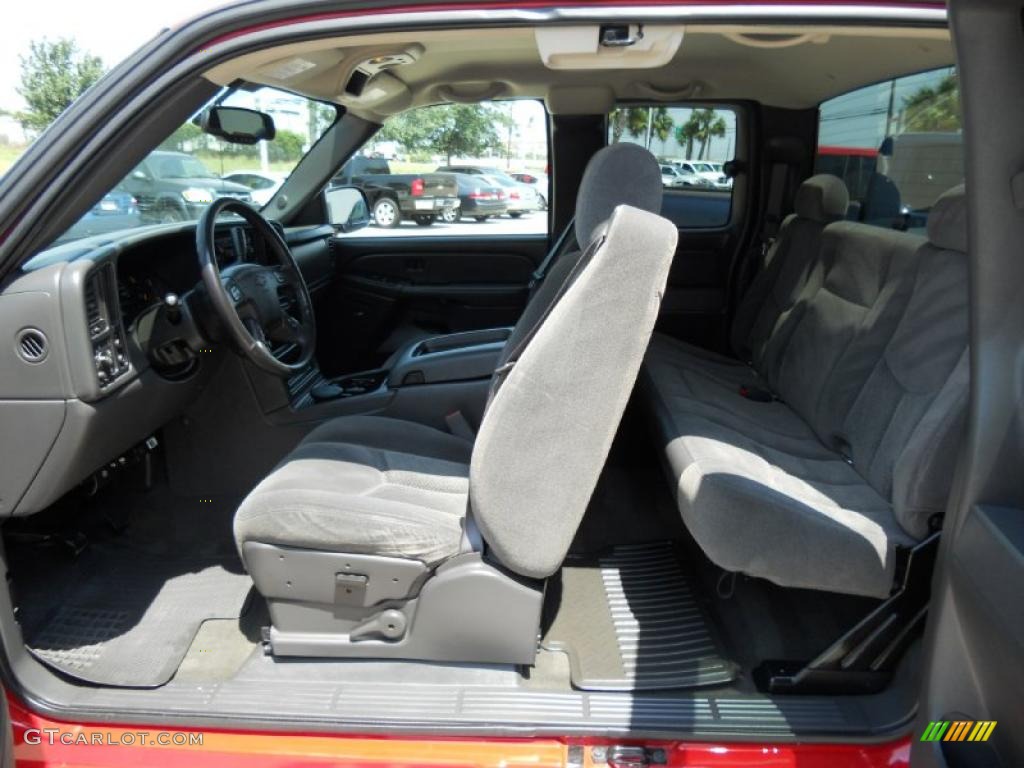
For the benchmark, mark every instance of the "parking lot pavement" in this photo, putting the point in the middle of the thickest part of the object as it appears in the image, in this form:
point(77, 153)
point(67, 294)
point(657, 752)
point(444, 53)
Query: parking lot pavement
point(532, 223)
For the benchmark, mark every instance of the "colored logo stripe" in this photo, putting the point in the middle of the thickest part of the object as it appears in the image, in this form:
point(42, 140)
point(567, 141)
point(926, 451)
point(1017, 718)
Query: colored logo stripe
point(958, 730)
point(982, 730)
point(935, 730)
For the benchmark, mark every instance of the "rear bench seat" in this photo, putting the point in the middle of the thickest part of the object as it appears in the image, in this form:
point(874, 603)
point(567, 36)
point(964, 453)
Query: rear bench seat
point(861, 353)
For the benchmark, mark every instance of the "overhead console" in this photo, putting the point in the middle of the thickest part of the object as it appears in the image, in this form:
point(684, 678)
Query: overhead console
point(608, 46)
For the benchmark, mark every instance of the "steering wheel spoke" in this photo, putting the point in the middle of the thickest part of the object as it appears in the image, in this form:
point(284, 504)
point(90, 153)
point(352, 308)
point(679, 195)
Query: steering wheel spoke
point(263, 307)
point(288, 330)
point(234, 291)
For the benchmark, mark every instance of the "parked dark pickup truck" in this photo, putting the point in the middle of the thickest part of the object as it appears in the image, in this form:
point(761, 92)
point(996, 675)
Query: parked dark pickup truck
point(423, 197)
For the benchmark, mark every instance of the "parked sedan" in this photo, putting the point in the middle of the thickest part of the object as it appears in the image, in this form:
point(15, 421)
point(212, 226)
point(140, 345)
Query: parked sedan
point(521, 198)
point(479, 197)
point(263, 185)
point(538, 181)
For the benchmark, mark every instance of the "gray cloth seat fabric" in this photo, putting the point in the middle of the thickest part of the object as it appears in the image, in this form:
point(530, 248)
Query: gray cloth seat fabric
point(372, 485)
point(820, 487)
point(782, 278)
point(382, 486)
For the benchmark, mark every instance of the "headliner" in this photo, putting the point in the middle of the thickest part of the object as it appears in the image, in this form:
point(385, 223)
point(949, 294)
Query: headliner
point(795, 66)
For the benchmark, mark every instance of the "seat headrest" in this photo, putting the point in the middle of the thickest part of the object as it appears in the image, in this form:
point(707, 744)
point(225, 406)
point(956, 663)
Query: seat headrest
point(947, 221)
point(622, 174)
point(822, 198)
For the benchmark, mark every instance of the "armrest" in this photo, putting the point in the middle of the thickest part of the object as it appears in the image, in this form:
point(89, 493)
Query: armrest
point(463, 339)
point(456, 357)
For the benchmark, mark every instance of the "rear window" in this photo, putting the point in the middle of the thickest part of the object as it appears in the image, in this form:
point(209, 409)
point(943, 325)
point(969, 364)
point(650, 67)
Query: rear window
point(691, 144)
point(897, 144)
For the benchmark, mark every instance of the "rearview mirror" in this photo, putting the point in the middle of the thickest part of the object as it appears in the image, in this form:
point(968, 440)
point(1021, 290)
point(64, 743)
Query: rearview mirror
point(238, 125)
point(347, 208)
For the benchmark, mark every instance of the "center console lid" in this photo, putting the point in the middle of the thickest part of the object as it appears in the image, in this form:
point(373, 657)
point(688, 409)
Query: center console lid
point(455, 357)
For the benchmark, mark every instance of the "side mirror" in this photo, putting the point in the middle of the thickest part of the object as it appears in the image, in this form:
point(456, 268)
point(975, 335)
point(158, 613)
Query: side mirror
point(238, 125)
point(347, 208)
point(139, 175)
point(733, 168)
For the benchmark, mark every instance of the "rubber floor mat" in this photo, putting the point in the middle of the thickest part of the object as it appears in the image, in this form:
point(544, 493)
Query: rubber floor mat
point(628, 621)
point(129, 621)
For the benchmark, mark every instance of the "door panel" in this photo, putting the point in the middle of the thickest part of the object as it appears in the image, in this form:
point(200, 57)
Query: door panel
point(388, 291)
point(696, 299)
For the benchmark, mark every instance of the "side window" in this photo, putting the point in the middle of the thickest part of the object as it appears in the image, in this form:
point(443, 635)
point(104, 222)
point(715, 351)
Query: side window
point(896, 144)
point(692, 144)
point(456, 169)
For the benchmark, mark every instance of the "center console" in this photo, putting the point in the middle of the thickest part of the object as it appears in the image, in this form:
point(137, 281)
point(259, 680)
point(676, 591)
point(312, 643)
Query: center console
point(455, 357)
point(424, 382)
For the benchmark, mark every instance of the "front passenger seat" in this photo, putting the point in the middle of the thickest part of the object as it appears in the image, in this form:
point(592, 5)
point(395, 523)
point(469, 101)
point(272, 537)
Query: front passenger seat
point(382, 538)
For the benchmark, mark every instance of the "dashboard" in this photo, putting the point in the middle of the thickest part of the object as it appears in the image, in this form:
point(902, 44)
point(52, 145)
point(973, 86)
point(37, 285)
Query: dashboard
point(81, 385)
point(149, 271)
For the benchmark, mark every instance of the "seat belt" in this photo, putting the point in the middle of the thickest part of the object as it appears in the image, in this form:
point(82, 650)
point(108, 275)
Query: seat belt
point(456, 421)
point(503, 370)
point(754, 259)
point(777, 186)
point(560, 246)
point(459, 426)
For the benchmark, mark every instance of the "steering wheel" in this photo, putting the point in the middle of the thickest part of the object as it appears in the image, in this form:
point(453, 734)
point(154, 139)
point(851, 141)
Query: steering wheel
point(248, 297)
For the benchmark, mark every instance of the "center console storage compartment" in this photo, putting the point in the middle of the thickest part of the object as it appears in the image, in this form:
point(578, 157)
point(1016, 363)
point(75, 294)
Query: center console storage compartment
point(455, 357)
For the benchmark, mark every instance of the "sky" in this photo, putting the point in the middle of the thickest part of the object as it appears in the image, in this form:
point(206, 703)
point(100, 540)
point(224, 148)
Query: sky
point(110, 29)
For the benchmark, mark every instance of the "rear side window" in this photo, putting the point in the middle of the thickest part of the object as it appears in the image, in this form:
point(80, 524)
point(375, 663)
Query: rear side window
point(692, 144)
point(897, 145)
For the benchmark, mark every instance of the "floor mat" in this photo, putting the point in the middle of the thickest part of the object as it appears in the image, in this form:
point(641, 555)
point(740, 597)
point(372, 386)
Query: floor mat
point(127, 620)
point(628, 621)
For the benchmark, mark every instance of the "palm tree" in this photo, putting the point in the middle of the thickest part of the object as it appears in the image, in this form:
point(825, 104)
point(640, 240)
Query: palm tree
point(714, 129)
point(661, 124)
point(647, 122)
point(702, 126)
point(627, 120)
point(686, 134)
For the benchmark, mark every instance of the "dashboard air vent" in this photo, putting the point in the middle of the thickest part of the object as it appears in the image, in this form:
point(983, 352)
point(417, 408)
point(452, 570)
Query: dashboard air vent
point(94, 309)
point(32, 345)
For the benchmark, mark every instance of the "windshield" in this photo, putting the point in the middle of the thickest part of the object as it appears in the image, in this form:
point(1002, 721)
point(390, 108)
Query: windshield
point(190, 169)
point(180, 167)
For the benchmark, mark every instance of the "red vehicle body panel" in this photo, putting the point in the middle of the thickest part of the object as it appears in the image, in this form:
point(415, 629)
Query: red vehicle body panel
point(249, 749)
point(847, 151)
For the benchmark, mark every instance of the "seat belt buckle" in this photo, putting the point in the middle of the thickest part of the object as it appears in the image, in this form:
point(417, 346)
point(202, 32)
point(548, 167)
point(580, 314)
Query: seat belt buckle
point(756, 394)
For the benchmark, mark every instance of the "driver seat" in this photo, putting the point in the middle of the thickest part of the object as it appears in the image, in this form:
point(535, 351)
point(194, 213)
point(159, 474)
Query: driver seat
point(382, 538)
